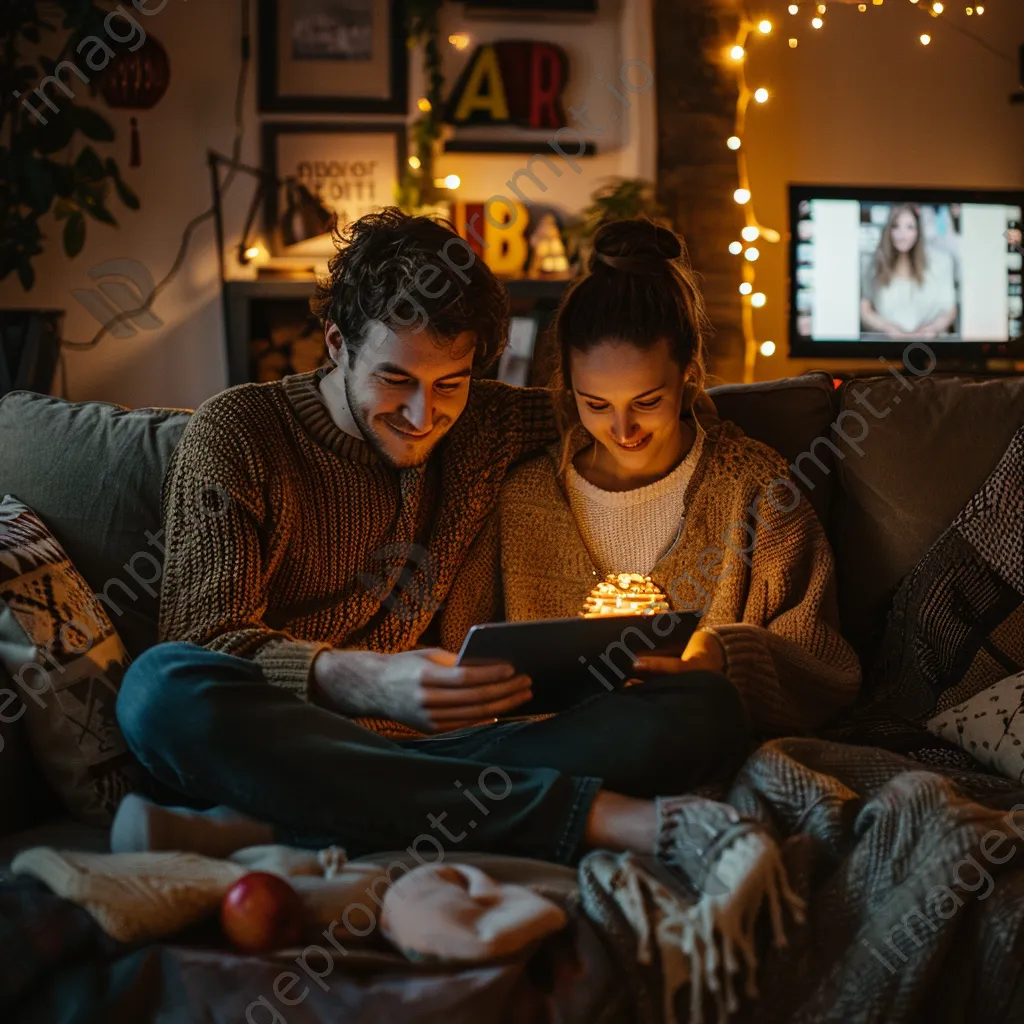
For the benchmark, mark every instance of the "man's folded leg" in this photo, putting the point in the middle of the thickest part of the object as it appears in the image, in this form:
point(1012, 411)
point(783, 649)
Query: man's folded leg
point(209, 726)
point(666, 736)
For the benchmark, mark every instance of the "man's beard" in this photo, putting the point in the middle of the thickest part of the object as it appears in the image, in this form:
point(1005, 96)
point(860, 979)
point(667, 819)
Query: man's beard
point(374, 439)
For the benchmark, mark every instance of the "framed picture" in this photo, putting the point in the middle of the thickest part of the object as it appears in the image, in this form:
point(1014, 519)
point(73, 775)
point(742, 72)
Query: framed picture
point(332, 57)
point(346, 169)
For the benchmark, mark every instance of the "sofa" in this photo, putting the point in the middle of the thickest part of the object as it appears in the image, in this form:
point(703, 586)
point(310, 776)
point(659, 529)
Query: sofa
point(886, 461)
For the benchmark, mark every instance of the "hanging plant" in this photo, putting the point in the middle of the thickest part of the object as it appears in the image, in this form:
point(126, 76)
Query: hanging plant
point(37, 170)
point(417, 189)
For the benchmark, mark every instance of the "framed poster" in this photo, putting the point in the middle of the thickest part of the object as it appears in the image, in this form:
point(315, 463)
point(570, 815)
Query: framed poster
point(349, 169)
point(332, 57)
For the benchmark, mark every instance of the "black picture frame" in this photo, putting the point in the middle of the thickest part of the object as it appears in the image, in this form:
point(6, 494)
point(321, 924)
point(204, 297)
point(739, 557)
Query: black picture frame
point(271, 131)
point(271, 100)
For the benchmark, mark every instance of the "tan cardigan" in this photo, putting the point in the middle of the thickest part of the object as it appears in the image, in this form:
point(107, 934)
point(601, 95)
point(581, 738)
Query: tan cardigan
point(760, 572)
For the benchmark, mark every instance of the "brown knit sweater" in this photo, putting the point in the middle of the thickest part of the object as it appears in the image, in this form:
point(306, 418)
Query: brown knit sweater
point(776, 617)
point(284, 535)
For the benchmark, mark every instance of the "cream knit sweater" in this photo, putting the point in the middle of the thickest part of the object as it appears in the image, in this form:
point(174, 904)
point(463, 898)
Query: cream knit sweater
point(754, 563)
point(628, 531)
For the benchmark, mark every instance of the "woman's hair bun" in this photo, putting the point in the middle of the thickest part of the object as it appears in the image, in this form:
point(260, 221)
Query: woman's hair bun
point(634, 246)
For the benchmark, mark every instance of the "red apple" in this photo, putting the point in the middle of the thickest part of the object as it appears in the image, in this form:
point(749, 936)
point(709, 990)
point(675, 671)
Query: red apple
point(261, 912)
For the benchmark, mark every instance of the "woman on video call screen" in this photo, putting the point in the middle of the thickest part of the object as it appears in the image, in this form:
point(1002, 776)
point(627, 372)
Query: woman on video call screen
point(908, 289)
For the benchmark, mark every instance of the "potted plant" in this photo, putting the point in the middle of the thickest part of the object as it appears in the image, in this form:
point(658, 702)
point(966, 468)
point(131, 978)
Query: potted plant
point(614, 199)
point(47, 163)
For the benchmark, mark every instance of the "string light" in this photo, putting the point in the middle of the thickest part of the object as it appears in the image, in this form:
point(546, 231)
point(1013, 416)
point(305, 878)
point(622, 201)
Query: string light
point(752, 230)
point(414, 162)
point(460, 40)
point(423, 103)
point(452, 181)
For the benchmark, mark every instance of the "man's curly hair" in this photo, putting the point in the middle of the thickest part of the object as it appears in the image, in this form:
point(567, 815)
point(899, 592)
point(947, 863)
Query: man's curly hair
point(412, 272)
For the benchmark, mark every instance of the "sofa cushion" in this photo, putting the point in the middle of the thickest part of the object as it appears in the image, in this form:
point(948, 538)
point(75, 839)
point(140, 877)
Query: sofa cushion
point(61, 650)
point(923, 453)
point(94, 473)
point(789, 415)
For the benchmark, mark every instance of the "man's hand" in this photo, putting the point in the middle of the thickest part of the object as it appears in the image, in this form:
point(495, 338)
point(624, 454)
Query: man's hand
point(423, 689)
point(704, 652)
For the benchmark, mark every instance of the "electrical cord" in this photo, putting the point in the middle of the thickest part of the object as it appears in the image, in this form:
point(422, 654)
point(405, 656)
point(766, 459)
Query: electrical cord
point(186, 237)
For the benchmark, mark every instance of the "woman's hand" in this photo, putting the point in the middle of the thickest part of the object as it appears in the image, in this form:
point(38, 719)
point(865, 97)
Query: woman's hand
point(704, 653)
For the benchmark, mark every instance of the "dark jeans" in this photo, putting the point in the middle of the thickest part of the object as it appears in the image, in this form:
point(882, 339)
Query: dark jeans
point(209, 726)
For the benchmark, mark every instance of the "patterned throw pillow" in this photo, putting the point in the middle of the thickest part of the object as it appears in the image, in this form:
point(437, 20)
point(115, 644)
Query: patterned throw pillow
point(66, 661)
point(989, 726)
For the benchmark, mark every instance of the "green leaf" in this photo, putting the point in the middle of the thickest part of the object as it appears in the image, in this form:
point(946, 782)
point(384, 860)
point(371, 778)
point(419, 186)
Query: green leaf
point(128, 197)
point(26, 275)
point(92, 201)
point(89, 166)
point(92, 125)
point(74, 234)
point(63, 180)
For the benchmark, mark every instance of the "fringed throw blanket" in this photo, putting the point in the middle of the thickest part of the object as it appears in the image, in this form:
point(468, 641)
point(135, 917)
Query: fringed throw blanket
point(956, 626)
point(914, 895)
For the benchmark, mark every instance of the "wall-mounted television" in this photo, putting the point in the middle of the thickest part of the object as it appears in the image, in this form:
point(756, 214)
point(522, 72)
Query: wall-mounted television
point(873, 269)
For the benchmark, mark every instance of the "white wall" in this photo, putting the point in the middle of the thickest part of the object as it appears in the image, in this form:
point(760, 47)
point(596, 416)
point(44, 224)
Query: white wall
point(863, 102)
point(183, 362)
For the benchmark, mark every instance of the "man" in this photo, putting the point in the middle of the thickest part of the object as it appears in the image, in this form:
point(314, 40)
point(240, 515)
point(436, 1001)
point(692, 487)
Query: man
point(314, 527)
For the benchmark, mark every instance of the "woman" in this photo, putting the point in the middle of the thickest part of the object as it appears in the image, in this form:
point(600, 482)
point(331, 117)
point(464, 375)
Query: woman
point(909, 294)
point(648, 480)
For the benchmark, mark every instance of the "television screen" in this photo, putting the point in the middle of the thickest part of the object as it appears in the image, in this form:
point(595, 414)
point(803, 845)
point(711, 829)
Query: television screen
point(874, 269)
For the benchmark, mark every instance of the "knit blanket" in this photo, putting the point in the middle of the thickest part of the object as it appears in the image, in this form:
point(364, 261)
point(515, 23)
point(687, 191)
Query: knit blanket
point(913, 885)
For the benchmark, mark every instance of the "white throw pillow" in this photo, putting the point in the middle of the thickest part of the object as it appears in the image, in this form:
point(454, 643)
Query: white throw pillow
point(989, 726)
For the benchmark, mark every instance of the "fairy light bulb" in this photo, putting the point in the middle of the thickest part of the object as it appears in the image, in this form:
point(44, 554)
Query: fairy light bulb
point(816, 23)
point(979, 9)
point(764, 27)
point(761, 95)
point(758, 299)
point(767, 348)
point(746, 288)
point(925, 39)
point(742, 195)
point(414, 162)
point(752, 254)
point(793, 9)
point(862, 8)
point(459, 40)
point(733, 142)
point(793, 43)
point(252, 252)
point(423, 103)
point(452, 181)
point(748, 234)
point(822, 8)
point(937, 7)
point(737, 52)
point(735, 248)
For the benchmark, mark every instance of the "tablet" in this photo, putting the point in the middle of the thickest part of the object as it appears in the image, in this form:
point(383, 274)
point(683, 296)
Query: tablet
point(572, 659)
